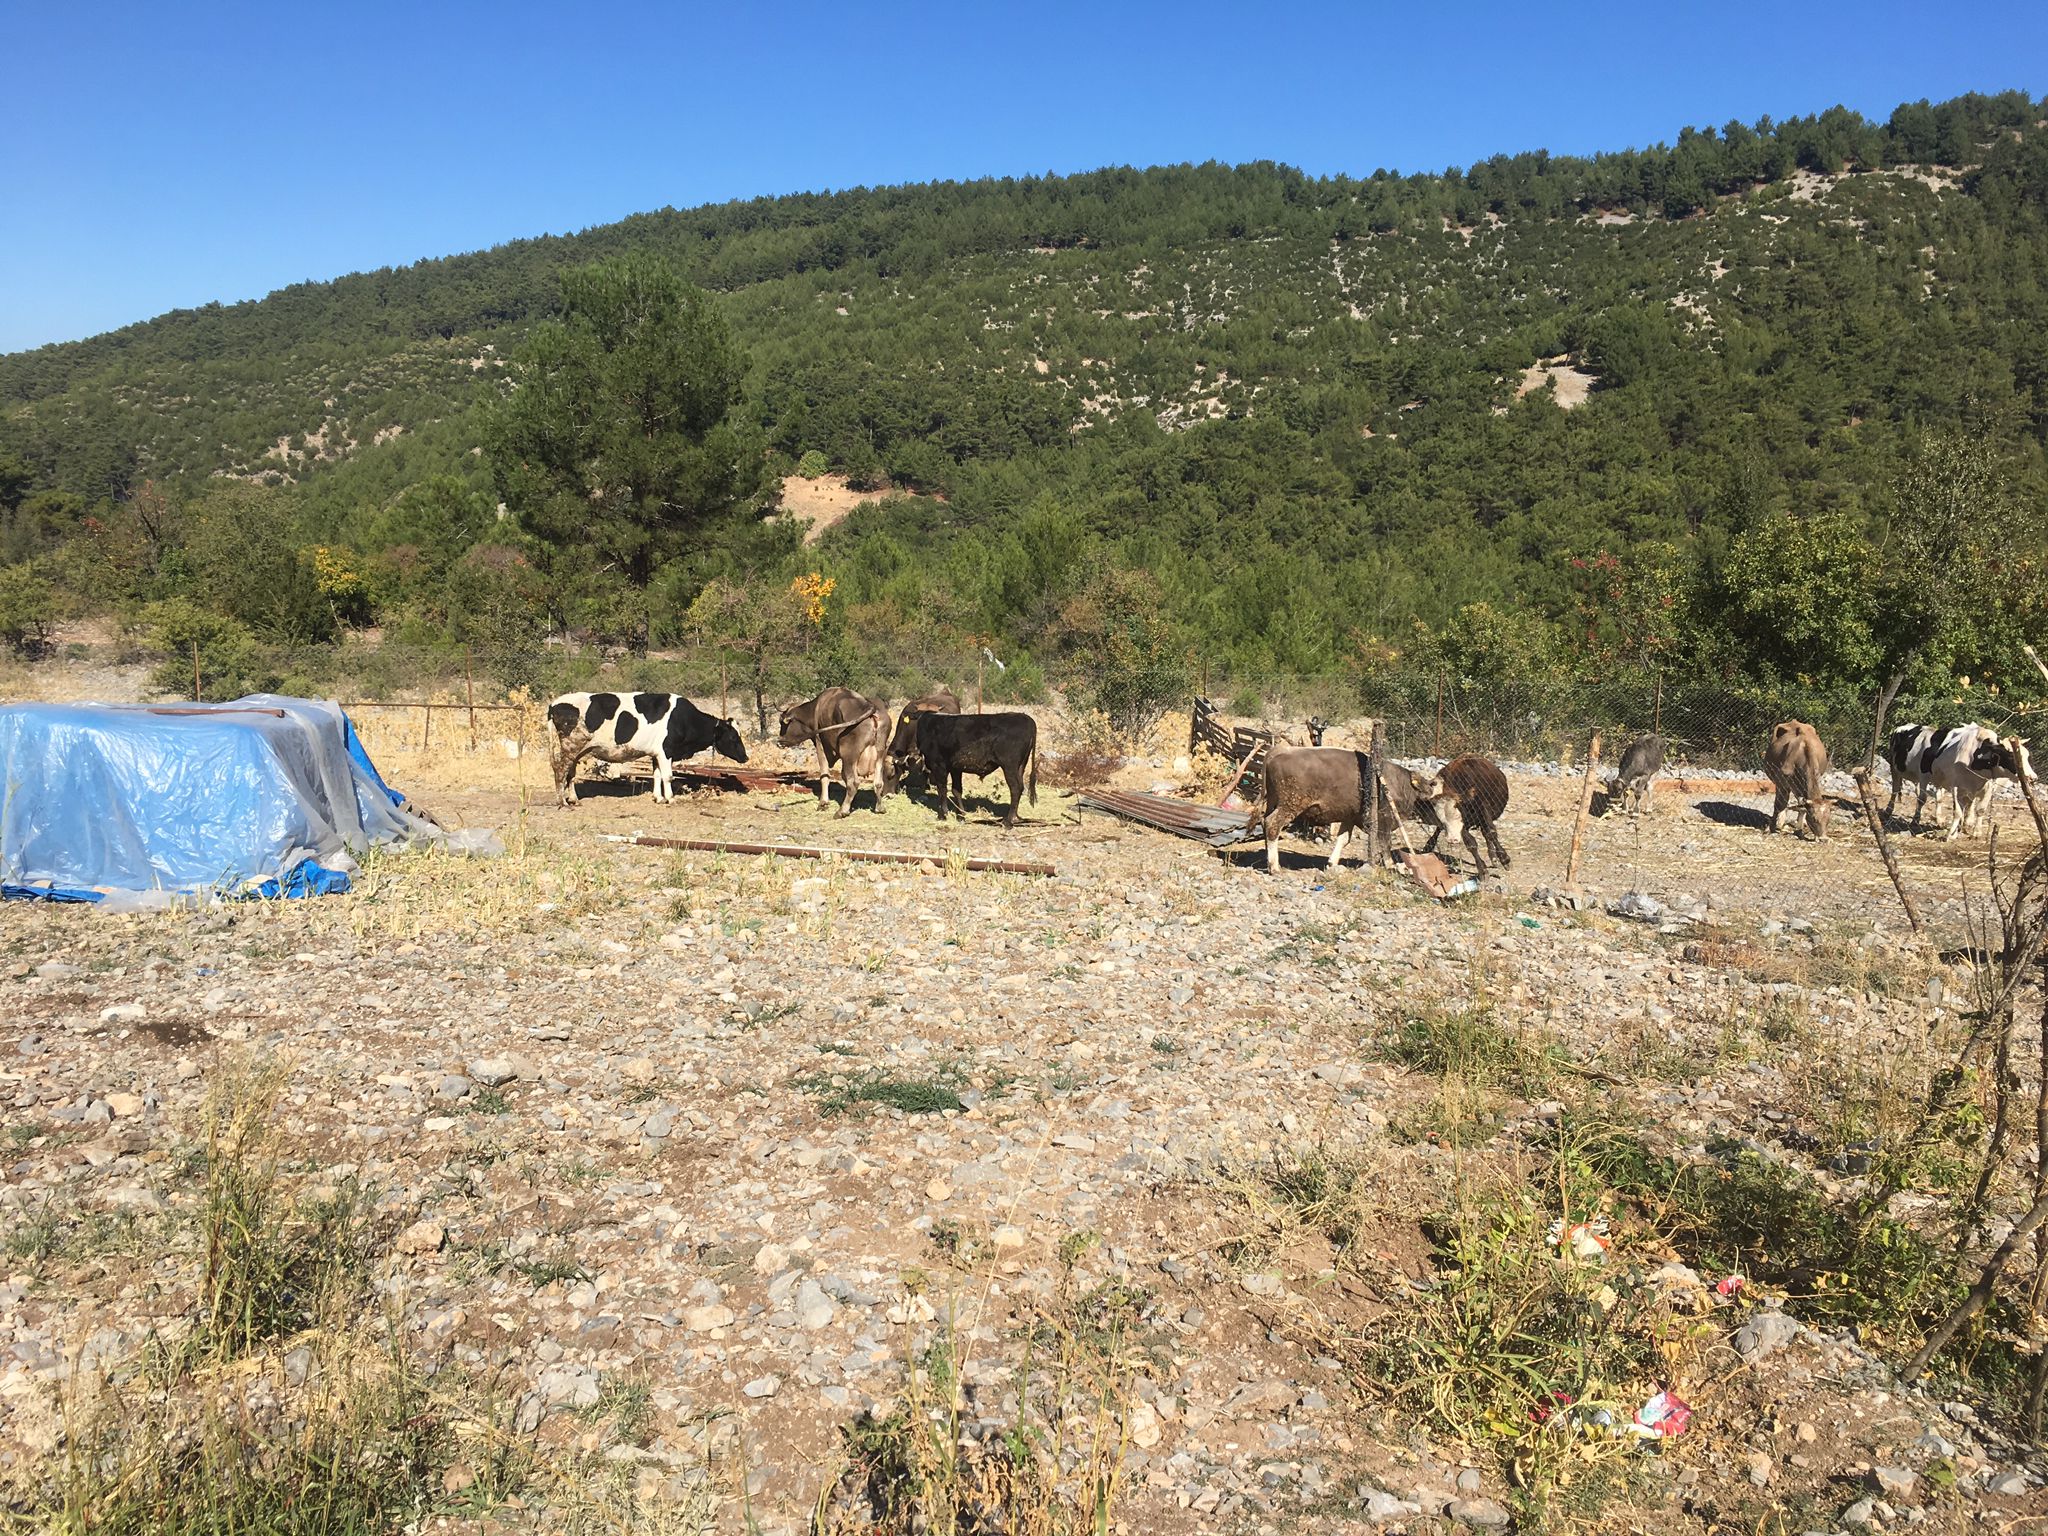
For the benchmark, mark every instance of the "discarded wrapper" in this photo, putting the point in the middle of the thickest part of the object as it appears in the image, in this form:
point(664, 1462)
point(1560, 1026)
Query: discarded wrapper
point(1662, 1417)
point(1728, 1285)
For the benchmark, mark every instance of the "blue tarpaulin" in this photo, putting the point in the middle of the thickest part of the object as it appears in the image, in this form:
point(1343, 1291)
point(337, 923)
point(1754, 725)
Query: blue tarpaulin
point(267, 796)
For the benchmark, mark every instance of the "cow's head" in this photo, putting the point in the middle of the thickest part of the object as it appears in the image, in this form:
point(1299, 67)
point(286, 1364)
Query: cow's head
point(725, 740)
point(793, 733)
point(1316, 726)
point(903, 744)
point(2004, 758)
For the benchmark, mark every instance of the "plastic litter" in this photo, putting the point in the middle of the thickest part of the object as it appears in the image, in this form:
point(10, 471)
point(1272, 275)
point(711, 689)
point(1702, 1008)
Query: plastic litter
point(1729, 1285)
point(1663, 1417)
point(1644, 909)
point(1585, 1240)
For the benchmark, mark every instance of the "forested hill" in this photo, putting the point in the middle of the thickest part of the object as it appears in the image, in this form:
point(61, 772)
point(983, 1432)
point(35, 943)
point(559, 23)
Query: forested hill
point(1314, 409)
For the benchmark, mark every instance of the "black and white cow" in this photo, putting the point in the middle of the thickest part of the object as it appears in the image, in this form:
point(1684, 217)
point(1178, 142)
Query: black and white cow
point(616, 726)
point(1963, 762)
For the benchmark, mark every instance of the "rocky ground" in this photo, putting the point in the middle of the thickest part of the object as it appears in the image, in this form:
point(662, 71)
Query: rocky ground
point(696, 1158)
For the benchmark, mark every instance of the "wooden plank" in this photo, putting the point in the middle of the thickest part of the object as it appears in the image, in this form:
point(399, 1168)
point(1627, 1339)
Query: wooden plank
point(862, 855)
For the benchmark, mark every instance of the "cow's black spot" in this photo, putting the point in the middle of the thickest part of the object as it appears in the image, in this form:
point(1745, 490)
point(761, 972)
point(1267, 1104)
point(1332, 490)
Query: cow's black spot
point(689, 731)
point(653, 706)
point(601, 708)
point(623, 731)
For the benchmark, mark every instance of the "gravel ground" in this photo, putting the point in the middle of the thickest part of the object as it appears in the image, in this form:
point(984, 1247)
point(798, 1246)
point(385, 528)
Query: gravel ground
point(637, 1063)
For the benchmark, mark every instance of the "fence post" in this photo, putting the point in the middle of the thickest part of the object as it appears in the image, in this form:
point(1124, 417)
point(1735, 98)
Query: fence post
point(1436, 748)
point(1865, 794)
point(1571, 866)
point(724, 709)
point(980, 666)
point(427, 733)
point(469, 691)
point(1657, 706)
point(195, 671)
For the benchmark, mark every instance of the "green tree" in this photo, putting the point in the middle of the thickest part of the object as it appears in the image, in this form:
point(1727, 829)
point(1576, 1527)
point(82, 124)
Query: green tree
point(1137, 660)
point(761, 623)
point(28, 609)
point(244, 561)
point(1963, 548)
point(1802, 593)
point(617, 437)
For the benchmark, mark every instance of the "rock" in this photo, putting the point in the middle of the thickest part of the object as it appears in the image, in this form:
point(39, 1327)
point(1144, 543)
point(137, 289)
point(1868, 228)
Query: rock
point(704, 1319)
point(1861, 1513)
point(772, 1259)
point(1486, 1514)
point(1805, 1433)
point(1007, 1237)
point(1758, 1466)
point(1893, 1482)
point(1143, 1424)
point(763, 1386)
point(814, 1309)
point(493, 1070)
point(454, 1086)
point(457, 1479)
point(1468, 1480)
point(421, 1237)
point(124, 1104)
point(1381, 1506)
point(640, 1069)
point(1764, 1335)
point(2011, 1486)
point(123, 1013)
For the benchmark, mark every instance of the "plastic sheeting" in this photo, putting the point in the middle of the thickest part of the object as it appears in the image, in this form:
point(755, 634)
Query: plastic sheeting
point(131, 804)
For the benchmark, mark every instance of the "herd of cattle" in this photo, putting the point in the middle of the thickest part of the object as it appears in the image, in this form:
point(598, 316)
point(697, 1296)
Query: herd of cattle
point(1316, 786)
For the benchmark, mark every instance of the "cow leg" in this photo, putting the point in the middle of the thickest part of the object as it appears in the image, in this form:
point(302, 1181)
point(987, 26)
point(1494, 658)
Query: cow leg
point(1779, 801)
point(565, 773)
point(1500, 854)
point(1014, 777)
point(960, 793)
point(1340, 833)
point(1472, 848)
point(664, 786)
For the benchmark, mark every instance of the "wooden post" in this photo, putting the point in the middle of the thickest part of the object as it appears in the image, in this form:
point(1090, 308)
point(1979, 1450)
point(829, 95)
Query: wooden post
point(427, 733)
point(980, 666)
point(469, 690)
point(1369, 786)
point(1657, 706)
point(724, 709)
point(1436, 748)
point(1571, 865)
point(195, 671)
point(1868, 796)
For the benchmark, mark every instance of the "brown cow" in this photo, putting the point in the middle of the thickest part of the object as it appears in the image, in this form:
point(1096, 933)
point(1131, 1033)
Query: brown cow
point(856, 749)
point(1324, 786)
point(820, 721)
point(1795, 762)
point(1478, 793)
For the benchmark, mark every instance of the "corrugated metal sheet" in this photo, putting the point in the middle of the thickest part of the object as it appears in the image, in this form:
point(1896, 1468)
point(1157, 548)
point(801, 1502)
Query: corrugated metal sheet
point(1210, 824)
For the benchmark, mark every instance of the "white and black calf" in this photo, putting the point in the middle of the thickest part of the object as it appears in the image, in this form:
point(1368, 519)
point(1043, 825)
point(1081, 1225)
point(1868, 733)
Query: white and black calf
point(616, 726)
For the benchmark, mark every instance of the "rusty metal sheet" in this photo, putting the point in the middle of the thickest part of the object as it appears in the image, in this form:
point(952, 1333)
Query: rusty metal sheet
point(1210, 824)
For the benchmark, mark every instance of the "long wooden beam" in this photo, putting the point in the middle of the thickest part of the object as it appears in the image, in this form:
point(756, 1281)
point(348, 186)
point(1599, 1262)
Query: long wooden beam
point(862, 855)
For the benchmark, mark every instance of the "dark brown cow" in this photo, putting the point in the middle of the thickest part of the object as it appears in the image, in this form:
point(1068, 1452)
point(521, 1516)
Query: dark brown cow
point(1479, 790)
point(953, 746)
point(903, 757)
point(1324, 786)
point(1795, 761)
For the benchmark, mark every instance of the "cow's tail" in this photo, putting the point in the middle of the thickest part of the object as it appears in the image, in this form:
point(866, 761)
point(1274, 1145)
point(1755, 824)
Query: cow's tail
point(1032, 782)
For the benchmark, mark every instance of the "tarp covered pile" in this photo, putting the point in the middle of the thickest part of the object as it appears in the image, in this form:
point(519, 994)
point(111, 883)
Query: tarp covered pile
point(140, 804)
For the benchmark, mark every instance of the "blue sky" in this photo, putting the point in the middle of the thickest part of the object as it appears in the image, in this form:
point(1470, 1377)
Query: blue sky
point(157, 156)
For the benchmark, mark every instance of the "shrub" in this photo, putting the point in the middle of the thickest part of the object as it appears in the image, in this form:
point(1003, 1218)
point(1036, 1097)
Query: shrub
point(230, 662)
point(812, 465)
point(28, 609)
